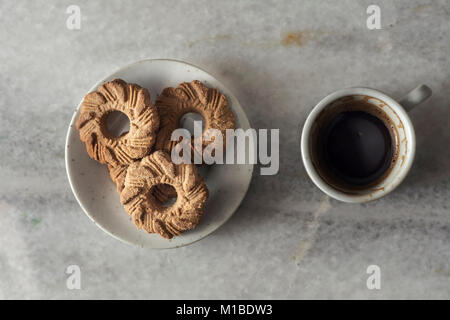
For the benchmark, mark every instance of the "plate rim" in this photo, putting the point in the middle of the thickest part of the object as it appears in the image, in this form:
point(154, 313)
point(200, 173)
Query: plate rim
point(67, 162)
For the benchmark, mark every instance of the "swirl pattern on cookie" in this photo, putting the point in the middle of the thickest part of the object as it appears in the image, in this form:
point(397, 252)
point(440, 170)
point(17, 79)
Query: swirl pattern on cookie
point(146, 210)
point(174, 103)
point(134, 102)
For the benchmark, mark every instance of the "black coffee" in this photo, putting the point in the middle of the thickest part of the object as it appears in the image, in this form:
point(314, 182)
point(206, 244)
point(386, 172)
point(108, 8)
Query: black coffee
point(357, 147)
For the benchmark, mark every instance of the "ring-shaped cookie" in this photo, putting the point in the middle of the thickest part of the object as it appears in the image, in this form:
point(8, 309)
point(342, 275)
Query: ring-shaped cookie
point(147, 212)
point(174, 103)
point(134, 102)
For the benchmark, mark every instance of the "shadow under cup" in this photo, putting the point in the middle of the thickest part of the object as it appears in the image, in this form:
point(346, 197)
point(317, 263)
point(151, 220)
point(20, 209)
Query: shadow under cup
point(324, 137)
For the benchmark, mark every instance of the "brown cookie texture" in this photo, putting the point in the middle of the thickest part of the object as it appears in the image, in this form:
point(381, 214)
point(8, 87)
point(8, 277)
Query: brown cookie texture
point(134, 102)
point(117, 175)
point(210, 103)
point(163, 193)
point(147, 211)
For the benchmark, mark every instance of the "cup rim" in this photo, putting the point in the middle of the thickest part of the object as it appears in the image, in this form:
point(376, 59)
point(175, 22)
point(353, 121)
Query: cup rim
point(305, 146)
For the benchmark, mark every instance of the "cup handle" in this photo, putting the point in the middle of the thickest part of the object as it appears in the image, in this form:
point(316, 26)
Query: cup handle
point(415, 97)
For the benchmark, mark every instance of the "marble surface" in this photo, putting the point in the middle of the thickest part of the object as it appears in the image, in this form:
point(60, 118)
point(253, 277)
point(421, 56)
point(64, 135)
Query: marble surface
point(287, 240)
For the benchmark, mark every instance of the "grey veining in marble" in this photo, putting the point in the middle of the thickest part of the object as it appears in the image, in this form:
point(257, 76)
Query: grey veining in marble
point(287, 240)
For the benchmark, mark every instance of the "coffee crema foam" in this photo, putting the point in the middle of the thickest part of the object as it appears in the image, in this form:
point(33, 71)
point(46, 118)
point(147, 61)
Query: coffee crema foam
point(354, 144)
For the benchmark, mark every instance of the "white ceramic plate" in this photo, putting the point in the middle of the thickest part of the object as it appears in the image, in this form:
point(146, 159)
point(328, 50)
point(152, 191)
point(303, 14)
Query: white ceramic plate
point(97, 194)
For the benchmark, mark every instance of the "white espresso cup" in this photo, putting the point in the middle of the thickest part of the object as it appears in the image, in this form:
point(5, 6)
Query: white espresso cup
point(404, 137)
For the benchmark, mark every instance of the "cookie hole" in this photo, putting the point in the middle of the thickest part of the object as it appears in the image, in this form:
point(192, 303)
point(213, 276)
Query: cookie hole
point(165, 194)
point(187, 121)
point(117, 123)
